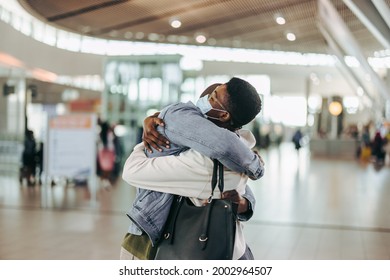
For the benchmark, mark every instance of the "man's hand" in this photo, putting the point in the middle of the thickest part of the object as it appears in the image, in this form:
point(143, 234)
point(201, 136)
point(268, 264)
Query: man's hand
point(260, 158)
point(151, 137)
point(235, 197)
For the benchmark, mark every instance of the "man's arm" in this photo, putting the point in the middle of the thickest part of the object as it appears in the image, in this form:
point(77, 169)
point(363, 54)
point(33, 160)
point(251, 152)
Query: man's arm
point(188, 174)
point(186, 127)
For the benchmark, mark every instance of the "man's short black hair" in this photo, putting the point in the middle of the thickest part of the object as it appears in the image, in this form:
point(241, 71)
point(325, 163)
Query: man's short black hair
point(244, 101)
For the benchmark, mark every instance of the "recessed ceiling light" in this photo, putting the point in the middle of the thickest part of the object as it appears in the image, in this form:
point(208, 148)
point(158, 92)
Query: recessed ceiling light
point(291, 36)
point(212, 41)
point(175, 23)
point(86, 29)
point(279, 19)
point(200, 38)
point(236, 43)
point(128, 35)
point(139, 35)
point(113, 33)
point(172, 38)
point(183, 39)
point(153, 37)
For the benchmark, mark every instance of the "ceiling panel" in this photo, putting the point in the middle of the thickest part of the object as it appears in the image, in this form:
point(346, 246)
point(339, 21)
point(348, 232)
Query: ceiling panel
point(54, 8)
point(226, 23)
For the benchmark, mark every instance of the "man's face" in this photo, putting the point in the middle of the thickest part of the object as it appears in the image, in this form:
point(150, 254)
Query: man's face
point(218, 98)
point(218, 94)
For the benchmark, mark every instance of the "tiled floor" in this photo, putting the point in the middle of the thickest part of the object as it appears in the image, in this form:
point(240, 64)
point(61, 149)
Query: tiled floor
point(307, 208)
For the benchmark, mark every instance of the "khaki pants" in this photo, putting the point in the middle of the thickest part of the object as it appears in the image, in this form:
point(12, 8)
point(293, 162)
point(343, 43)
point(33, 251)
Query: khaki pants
point(126, 255)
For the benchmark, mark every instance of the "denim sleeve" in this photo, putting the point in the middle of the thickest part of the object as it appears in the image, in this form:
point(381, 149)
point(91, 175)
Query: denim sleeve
point(252, 203)
point(187, 127)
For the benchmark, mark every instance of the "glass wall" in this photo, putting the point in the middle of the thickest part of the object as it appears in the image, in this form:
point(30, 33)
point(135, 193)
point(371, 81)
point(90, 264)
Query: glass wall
point(135, 87)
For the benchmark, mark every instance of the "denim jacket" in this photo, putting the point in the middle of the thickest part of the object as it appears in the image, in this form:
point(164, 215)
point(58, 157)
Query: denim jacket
point(186, 127)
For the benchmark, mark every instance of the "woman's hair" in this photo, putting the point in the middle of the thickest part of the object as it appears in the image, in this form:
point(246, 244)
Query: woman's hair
point(210, 89)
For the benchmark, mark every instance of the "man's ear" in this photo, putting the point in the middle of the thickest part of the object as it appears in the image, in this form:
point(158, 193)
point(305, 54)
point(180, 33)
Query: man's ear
point(224, 117)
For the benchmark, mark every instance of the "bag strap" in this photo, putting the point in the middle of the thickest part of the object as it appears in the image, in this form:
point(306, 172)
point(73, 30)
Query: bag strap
point(217, 169)
point(220, 178)
point(170, 227)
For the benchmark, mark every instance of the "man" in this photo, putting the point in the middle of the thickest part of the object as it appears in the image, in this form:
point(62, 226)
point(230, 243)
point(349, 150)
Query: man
point(209, 128)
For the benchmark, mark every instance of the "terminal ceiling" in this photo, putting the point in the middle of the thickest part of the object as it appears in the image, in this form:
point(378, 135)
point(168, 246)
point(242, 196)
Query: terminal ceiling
point(226, 23)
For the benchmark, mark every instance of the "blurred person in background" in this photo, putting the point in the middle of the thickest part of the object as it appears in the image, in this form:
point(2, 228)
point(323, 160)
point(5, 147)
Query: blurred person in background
point(297, 138)
point(387, 145)
point(27, 170)
point(378, 151)
point(106, 154)
point(365, 145)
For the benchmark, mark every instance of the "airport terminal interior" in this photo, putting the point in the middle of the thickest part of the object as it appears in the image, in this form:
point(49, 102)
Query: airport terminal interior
point(70, 70)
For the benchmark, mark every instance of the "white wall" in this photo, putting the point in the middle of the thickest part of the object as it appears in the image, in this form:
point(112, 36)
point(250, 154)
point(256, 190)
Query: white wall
point(39, 55)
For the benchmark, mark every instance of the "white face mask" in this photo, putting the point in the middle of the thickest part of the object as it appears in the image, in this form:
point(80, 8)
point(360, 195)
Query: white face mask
point(204, 105)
